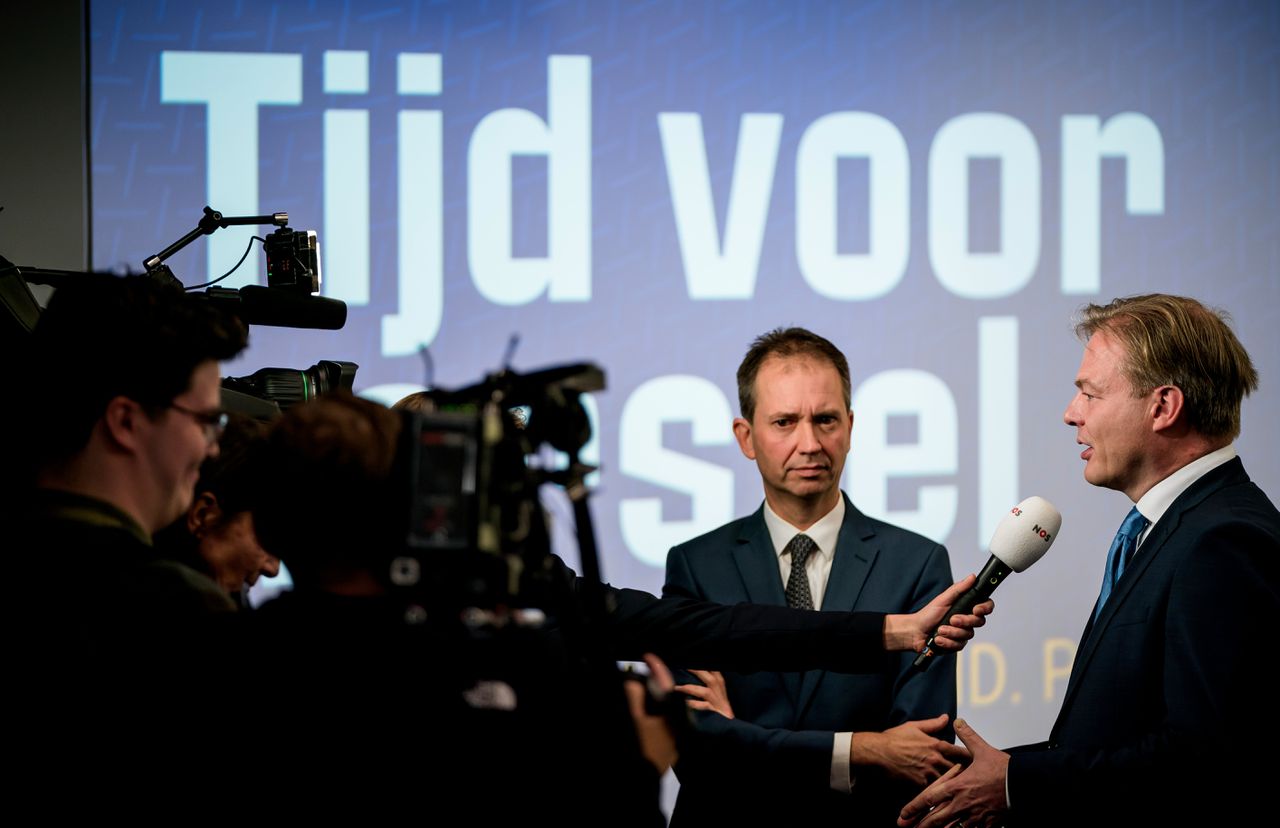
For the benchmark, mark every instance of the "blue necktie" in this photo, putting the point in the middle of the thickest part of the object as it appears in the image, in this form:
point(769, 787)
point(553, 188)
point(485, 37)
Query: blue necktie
point(1121, 552)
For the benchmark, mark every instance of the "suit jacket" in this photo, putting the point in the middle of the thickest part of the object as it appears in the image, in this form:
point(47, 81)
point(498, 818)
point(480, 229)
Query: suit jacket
point(1164, 713)
point(782, 740)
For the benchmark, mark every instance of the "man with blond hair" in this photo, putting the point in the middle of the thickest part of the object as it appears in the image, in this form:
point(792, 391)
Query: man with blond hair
point(1161, 723)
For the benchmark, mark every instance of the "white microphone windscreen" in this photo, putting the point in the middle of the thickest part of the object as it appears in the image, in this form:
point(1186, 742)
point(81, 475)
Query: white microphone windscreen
point(1026, 533)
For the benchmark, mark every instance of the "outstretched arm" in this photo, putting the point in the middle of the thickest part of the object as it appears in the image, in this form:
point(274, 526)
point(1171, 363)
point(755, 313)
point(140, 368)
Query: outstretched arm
point(910, 632)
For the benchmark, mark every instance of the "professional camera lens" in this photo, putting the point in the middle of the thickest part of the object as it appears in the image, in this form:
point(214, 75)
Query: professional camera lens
point(288, 386)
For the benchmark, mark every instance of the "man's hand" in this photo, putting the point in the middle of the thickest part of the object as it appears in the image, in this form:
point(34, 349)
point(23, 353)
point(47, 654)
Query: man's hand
point(908, 751)
point(910, 632)
point(657, 742)
point(710, 695)
point(974, 797)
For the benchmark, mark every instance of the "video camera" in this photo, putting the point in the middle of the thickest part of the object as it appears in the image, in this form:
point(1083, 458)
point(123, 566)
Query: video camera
point(474, 531)
point(475, 536)
point(293, 276)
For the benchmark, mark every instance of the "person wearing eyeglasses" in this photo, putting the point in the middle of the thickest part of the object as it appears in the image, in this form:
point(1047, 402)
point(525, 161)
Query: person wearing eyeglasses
point(122, 405)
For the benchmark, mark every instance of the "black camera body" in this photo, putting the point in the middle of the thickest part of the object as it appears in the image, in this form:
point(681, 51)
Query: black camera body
point(293, 260)
point(475, 536)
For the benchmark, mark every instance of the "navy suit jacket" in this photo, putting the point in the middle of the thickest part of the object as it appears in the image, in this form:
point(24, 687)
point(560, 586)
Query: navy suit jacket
point(782, 738)
point(1166, 712)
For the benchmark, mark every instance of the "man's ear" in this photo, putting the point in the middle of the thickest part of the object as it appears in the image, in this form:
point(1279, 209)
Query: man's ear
point(742, 431)
point(121, 420)
point(1167, 407)
point(203, 515)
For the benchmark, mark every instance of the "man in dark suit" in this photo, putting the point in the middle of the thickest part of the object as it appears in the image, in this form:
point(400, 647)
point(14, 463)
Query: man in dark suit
point(799, 747)
point(1161, 720)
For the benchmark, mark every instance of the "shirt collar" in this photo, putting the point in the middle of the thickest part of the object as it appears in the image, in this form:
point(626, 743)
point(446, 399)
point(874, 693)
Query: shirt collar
point(1160, 497)
point(823, 533)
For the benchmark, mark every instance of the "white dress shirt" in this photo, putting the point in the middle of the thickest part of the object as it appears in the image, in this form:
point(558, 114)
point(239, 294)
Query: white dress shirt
point(818, 568)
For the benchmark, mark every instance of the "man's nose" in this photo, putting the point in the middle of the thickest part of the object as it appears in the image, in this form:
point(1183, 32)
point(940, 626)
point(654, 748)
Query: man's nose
point(807, 437)
point(1071, 415)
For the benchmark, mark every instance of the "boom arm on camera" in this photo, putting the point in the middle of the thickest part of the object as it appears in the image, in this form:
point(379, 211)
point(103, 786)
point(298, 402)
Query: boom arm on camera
point(212, 220)
point(293, 275)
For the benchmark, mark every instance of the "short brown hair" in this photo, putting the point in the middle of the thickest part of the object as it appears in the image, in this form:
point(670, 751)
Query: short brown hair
point(418, 402)
point(108, 336)
point(327, 494)
point(785, 343)
point(1174, 340)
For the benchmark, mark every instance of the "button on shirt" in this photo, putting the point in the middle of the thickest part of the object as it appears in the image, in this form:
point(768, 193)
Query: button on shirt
point(818, 567)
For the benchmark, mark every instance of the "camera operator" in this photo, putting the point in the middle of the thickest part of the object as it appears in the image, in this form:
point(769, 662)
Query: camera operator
point(423, 705)
point(110, 643)
point(121, 408)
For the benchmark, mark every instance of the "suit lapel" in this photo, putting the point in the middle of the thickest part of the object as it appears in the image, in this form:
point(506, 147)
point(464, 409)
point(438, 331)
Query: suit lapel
point(855, 553)
point(1094, 632)
point(757, 564)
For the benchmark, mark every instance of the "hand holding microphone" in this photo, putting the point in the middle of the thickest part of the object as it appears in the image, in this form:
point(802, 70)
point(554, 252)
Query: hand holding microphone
point(1021, 539)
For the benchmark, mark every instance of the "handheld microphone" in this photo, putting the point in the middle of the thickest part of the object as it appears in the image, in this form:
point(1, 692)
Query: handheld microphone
point(1021, 539)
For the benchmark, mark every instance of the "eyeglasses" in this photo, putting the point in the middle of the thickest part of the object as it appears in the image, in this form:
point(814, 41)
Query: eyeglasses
point(213, 422)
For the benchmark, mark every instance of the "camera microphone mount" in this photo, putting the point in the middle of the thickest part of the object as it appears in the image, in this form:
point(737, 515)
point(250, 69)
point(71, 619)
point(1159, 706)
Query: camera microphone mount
point(211, 221)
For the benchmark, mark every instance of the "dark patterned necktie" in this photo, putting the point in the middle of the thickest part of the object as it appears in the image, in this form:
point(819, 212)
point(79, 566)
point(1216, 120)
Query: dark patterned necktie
point(1121, 552)
point(798, 596)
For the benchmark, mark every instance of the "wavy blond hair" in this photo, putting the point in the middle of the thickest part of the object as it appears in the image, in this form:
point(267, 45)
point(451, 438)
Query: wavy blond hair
point(1174, 340)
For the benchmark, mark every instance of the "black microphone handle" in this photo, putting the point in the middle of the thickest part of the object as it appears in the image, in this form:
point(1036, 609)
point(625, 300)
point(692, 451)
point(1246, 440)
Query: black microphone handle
point(988, 579)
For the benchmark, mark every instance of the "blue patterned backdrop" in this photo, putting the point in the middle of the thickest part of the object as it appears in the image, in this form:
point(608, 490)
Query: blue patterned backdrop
point(934, 186)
